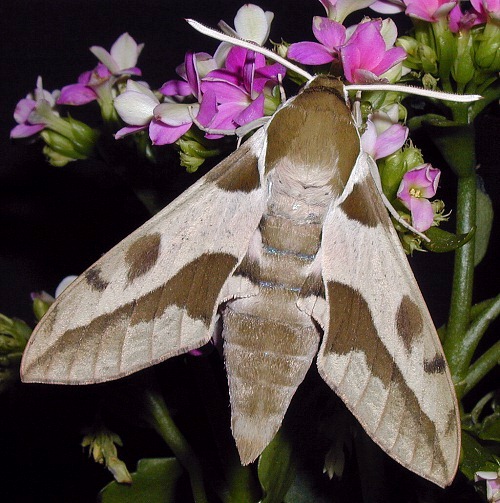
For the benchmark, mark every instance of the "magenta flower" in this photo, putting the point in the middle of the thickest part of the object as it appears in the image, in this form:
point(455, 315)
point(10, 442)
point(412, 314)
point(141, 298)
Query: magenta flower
point(235, 95)
point(463, 21)
point(366, 57)
point(122, 57)
point(87, 89)
point(331, 35)
point(429, 10)
point(195, 66)
point(35, 112)
point(487, 9)
point(383, 135)
point(416, 187)
point(141, 109)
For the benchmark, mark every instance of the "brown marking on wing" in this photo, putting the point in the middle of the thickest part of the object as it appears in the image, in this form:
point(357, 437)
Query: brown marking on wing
point(409, 322)
point(94, 279)
point(357, 206)
point(352, 330)
point(436, 365)
point(142, 255)
point(239, 173)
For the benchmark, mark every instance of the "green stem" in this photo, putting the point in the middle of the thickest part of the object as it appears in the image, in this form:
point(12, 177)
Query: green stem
point(461, 296)
point(486, 362)
point(166, 428)
point(473, 335)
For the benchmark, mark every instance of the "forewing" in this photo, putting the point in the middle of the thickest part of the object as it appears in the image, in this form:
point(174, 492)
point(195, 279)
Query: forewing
point(156, 293)
point(381, 352)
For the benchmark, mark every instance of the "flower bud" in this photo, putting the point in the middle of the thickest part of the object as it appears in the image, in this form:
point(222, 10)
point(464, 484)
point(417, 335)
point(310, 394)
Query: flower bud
point(463, 69)
point(193, 151)
point(487, 55)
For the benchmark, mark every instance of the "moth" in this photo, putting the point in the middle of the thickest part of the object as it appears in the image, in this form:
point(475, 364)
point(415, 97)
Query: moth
point(287, 245)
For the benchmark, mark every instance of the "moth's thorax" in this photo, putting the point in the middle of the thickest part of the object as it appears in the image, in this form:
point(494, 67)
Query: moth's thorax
point(313, 141)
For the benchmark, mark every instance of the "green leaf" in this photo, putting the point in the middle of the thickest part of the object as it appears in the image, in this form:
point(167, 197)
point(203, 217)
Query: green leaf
point(490, 428)
point(484, 221)
point(443, 241)
point(276, 469)
point(476, 458)
point(153, 482)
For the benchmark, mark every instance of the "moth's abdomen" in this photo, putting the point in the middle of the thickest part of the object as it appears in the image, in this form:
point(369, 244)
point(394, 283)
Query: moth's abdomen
point(269, 343)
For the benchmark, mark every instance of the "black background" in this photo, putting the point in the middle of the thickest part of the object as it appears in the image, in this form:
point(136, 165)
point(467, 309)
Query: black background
point(57, 221)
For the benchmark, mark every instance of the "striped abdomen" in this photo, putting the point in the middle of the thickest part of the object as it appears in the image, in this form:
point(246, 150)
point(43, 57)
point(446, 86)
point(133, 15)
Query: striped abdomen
point(269, 343)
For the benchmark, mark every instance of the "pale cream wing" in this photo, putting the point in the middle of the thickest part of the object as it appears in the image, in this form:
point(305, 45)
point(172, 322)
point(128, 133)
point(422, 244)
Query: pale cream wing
point(381, 353)
point(156, 293)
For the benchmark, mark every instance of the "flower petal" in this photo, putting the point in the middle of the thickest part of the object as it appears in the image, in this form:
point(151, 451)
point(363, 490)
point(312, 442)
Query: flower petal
point(163, 134)
point(391, 140)
point(125, 51)
point(252, 23)
point(330, 33)
point(76, 94)
point(176, 88)
point(422, 214)
point(135, 108)
point(25, 130)
point(252, 112)
point(124, 131)
point(309, 53)
point(176, 114)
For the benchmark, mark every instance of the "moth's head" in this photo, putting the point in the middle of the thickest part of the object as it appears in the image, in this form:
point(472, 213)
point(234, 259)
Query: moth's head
point(315, 133)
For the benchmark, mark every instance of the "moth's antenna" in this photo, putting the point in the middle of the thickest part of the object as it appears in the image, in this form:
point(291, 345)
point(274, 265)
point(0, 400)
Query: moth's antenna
point(439, 95)
point(246, 44)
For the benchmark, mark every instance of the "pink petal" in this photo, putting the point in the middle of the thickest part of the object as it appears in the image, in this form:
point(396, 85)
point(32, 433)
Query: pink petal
point(192, 74)
point(76, 94)
point(388, 6)
point(390, 140)
point(391, 58)
point(422, 214)
point(176, 88)
point(330, 33)
point(124, 131)
point(23, 109)
point(309, 53)
point(162, 134)
point(25, 130)
point(225, 91)
point(254, 111)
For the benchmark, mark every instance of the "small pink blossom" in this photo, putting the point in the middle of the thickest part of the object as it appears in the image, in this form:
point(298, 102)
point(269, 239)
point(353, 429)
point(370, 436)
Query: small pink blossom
point(459, 21)
point(331, 35)
point(122, 57)
point(234, 96)
point(487, 8)
point(366, 56)
point(492, 485)
point(416, 187)
point(88, 88)
point(34, 112)
point(383, 135)
point(429, 10)
point(141, 109)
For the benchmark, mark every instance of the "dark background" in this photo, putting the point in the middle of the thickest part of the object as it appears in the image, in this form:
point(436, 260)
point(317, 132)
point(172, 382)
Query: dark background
point(57, 221)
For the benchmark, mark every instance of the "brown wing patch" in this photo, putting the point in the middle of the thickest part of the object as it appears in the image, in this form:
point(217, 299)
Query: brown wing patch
point(142, 255)
point(94, 279)
point(409, 323)
point(356, 206)
point(436, 365)
point(240, 172)
point(352, 331)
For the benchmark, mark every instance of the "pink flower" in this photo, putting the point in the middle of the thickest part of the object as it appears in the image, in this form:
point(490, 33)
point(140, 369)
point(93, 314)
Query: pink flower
point(331, 35)
point(429, 10)
point(383, 135)
point(417, 186)
point(463, 21)
point(366, 56)
point(492, 485)
point(487, 8)
point(235, 95)
point(88, 87)
point(141, 109)
point(34, 112)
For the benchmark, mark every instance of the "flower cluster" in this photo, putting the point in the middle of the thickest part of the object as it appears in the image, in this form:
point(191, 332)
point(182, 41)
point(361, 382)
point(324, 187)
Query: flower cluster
point(235, 88)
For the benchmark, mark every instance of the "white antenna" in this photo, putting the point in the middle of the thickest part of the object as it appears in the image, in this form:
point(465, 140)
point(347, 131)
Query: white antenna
point(440, 95)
